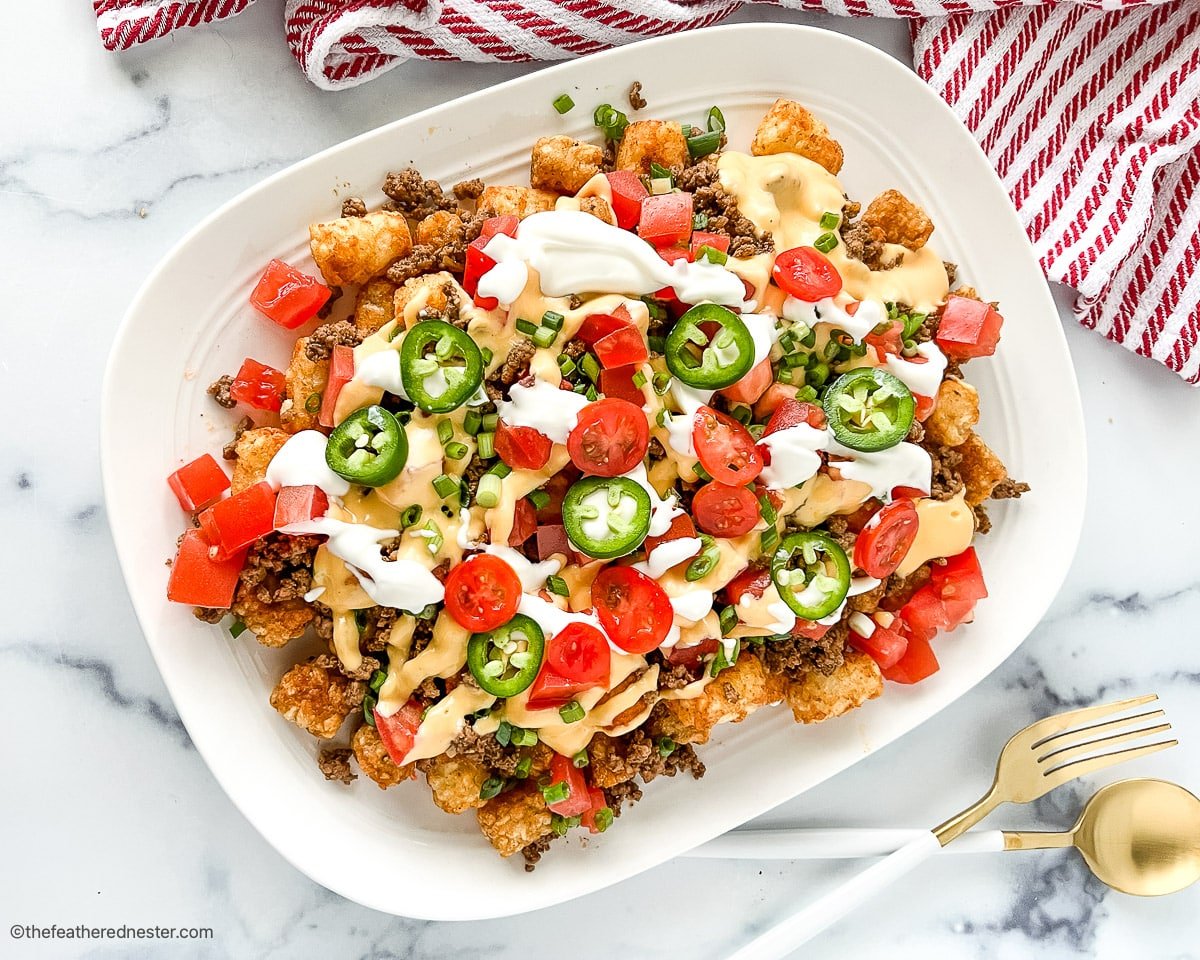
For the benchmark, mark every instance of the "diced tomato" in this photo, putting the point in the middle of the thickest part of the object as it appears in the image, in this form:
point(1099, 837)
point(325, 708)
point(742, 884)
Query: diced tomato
point(476, 264)
point(579, 652)
point(890, 341)
point(681, 526)
point(506, 225)
point(885, 540)
point(482, 593)
point(562, 770)
point(671, 255)
point(297, 504)
point(769, 402)
point(884, 646)
point(556, 488)
point(399, 731)
point(725, 511)
point(258, 386)
point(924, 407)
point(917, 663)
point(791, 413)
point(691, 656)
point(552, 539)
point(725, 448)
point(702, 238)
point(912, 493)
point(596, 326)
point(924, 614)
point(621, 347)
point(618, 383)
point(666, 219)
point(809, 629)
point(753, 385)
point(968, 328)
point(597, 802)
point(522, 448)
point(241, 519)
point(200, 579)
point(524, 522)
point(551, 690)
point(960, 577)
point(634, 611)
point(807, 274)
point(199, 483)
point(628, 192)
point(610, 438)
point(341, 372)
point(288, 297)
point(754, 580)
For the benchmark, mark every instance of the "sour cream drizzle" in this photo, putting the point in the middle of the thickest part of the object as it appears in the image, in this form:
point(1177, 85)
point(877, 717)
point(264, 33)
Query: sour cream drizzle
point(922, 378)
point(543, 406)
point(866, 317)
point(794, 455)
point(301, 461)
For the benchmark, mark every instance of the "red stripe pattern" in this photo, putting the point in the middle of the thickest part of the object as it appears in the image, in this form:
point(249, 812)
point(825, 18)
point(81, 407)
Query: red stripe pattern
point(1089, 110)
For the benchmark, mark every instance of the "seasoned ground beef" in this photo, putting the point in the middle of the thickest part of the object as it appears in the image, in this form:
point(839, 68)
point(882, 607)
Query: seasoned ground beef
point(622, 793)
point(575, 348)
point(720, 206)
point(476, 468)
point(797, 655)
point(469, 189)
point(899, 590)
point(229, 451)
point(354, 207)
point(422, 634)
point(368, 666)
point(646, 761)
point(533, 852)
point(1009, 489)
point(279, 567)
point(501, 760)
point(335, 764)
point(516, 364)
point(377, 624)
point(209, 614)
point(916, 433)
point(947, 482)
point(983, 523)
point(219, 391)
point(322, 340)
point(424, 258)
point(636, 100)
point(411, 194)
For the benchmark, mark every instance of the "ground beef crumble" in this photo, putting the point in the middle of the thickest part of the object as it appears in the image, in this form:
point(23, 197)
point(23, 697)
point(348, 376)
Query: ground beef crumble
point(335, 764)
point(219, 391)
point(533, 852)
point(411, 194)
point(947, 481)
point(229, 451)
point(469, 189)
point(795, 656)
point(501, 760)
point(327, 336)
point(279, 567)
point(516, 364)
point(209, 614)
point(720, 206)
point(636, 100)
point(354, 207)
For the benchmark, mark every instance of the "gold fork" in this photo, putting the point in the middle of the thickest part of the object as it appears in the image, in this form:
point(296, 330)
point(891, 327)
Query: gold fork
point(1044, 755)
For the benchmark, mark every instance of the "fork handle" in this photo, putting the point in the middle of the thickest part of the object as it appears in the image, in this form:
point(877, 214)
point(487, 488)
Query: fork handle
point(799, 928)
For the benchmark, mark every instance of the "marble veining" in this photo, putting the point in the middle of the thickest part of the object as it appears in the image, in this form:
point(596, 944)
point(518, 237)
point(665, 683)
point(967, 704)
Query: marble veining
point(111, 816)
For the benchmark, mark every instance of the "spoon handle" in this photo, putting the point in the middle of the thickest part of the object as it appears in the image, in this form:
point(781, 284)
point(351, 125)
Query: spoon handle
point(1028, 840)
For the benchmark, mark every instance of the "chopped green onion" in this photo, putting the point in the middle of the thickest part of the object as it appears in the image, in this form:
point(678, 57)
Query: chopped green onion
point(527, 327)
point(712, 255)
point(433, 533)
point(472, 421)
point(603, 818)
point(701, 472)
point(445, 486)
point(830, 220)
point(524, 765)
point(826, 242)
point(558, 585)
point(488, 356)
point(504, 733)
point(445, 432)
point(491, 787)
point(701, 145)
point(456, 450)
point(539, 498)
point(591, 367)
point(659, 172)
point(369, 703)
point(236, 629)
point(703, 565)
point(716, 120)
point(524, 738)
point(571, 712)
point(729, 619)
point(591, 393)
point(756, 430)
point(611, 121)
point(722, 660)
point(699, 221)
point(566, 365)
point(666, 746)
point(769, 539)
point(486, 445)
point(410, 516)
point(767, 509)
point(656, 343)
point(544, 337)
point(742, 414)
point(378, 679)
point(817, 374)
point(556, 792)
point(491, 421)
point(807, 394)
point(563, 103)
point(552, 320)
point(639, 379)
point(660, 418)
point(487, 495)
point(313, 403)
point(500, 469)
point(581, 758)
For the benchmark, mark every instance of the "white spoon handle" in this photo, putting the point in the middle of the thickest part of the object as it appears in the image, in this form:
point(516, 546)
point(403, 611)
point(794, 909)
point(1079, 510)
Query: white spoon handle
point(836, 843)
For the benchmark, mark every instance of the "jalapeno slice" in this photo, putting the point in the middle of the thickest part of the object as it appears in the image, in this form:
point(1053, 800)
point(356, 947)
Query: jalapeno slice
point(606, 517)
point(869, 409)
point(812, 574)
point(709, 359)
point(506, 660)
point(440, 366)
point(369, 447)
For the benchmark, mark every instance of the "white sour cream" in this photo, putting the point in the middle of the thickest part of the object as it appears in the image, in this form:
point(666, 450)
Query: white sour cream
point(381, 369)
point(679, 426)
point(923, 378)
point(662, 510)
point(663, 557)
point(552, 619)
point(301, 461)
point(904, 465)
point(763, 332)
point(543, 406)
point(794, 455)
point(532, 575)
point(868, 315)
point(692, 606)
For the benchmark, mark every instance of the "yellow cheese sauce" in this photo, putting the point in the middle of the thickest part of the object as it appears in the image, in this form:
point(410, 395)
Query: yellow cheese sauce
point(944, 529)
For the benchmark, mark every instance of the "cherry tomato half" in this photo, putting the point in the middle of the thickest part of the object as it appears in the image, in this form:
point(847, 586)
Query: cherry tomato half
point(482, 593)
point(635, 611)
point(522, 448)
point(725, 511)
point(885, 539)
point(725, 448)
point(579, 652)
point(610, 438)
point(792, 412)
point(807, 274)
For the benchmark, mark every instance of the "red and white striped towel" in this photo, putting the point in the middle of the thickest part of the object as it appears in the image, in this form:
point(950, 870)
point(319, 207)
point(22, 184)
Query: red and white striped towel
point(1090, 111)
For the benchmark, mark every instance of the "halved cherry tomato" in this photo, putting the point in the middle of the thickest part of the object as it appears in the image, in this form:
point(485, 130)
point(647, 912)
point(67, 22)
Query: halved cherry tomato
point(482, 593)
point(807, 274)
point(579, 652)
point(628, 192)
point(618, 382)
point(666, 219)
point(681, 526)
point(399, 731)
point(635, 611)
point(621, 347)
point(885, 540)
point(725, 511)
point(200, 579)
point(725, 448)
point(691, 656)
point(551, 690)
point(297, 504)
point(199, 483)
point(341, 372)
point(968, 328)
point(258, 386)
point(885, 646)
point(524, 522)
point(288, 297)
point(890, 341)
point(753, 385)
point(522, 448)
point(754, 580)
point(563, 770)
point(609, 439)
point(792, 412)
point(917, 663)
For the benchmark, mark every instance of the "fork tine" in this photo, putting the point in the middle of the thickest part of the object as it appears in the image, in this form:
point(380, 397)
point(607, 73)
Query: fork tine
point(1072, 751)
point(1042, 730)
point(1079, 768)
point(1096, 728)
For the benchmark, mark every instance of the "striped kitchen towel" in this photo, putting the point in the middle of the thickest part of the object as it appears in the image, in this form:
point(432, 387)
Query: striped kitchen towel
point(1090, 111)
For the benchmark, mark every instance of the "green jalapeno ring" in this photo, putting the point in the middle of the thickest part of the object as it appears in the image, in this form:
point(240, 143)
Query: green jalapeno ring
point(434, 346)
point(869, 409)
point(625, 522)
point(369, 447)
point(712, 368)
point(816, 552)
point(506, 660)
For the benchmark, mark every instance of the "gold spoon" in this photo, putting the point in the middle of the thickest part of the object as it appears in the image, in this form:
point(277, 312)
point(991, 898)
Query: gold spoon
point(1137, 836)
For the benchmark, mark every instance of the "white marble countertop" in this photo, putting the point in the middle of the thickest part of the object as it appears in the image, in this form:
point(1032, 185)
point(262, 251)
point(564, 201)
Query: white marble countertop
point(109, 814)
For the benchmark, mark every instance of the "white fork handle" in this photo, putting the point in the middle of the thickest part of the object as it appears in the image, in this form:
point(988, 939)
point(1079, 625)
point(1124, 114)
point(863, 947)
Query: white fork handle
point(801, 927)
point(831, 843)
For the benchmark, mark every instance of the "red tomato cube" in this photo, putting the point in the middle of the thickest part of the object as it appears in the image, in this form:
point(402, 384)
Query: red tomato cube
point(621, 348)
point(753, 385)
point(597, 803)
point(961, 577)
point(702, 238)
point(524, 522)
point(288, 297)
point(258, 386)
point(551, 690)
point(968, 328)
point(628, 192)
point(297, 504)
point(506, 225)
point(886, 647)
point(925, 614)
point(577, 800)
point(200, 579)
point(917, 663)
point(618, 382)
point(477, 264)
point(241, 519)
point(666, 219)
point(399, 731)
point(199, 483)
point(341, 372)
